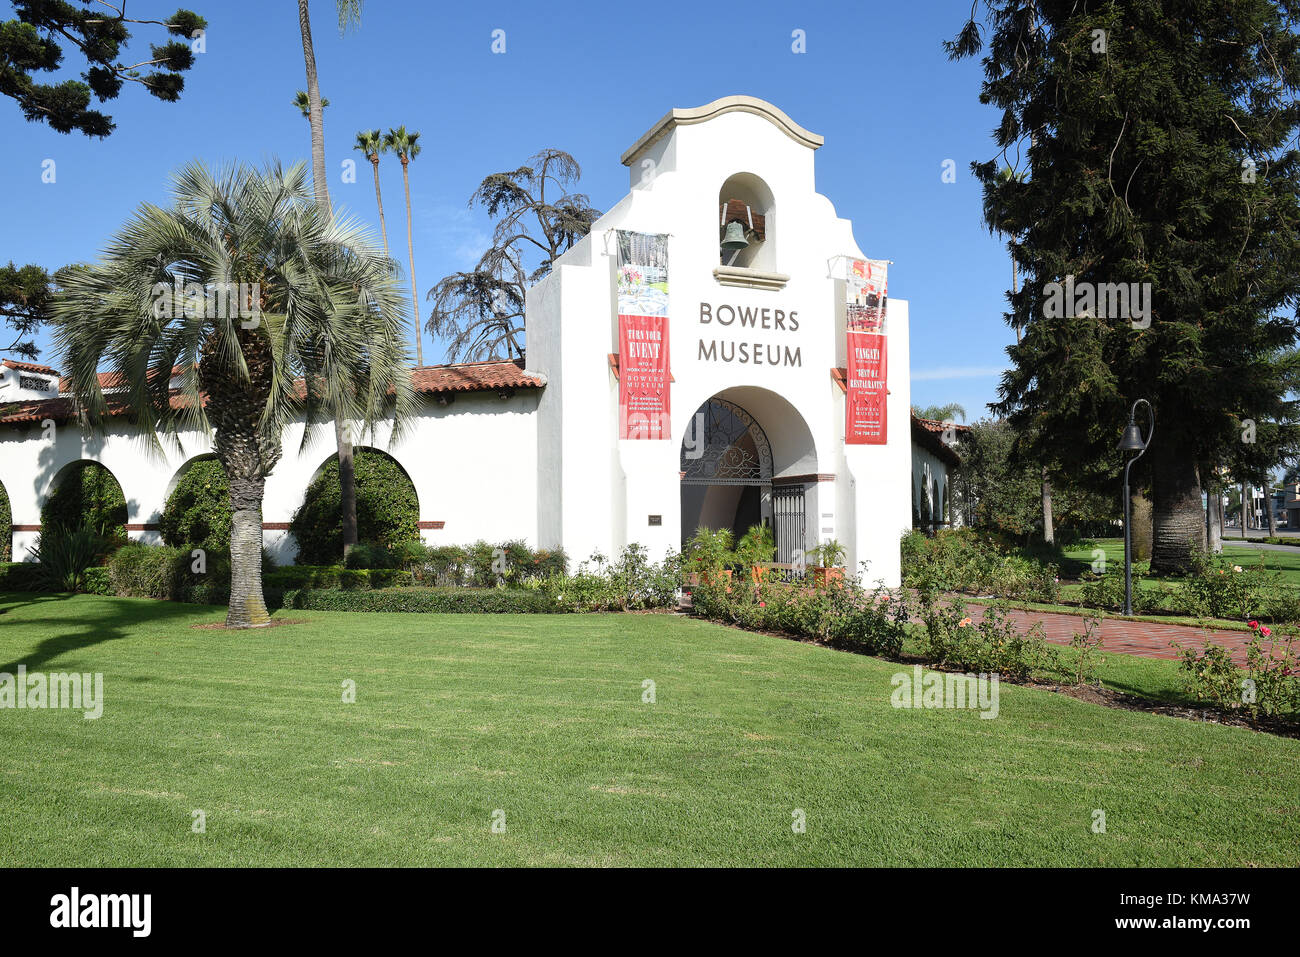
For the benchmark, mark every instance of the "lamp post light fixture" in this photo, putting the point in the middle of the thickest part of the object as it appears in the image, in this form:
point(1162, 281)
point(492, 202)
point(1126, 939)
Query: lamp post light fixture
point(1132, 441)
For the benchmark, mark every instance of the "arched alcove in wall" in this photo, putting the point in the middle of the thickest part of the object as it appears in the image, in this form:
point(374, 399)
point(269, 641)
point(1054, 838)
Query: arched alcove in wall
point(746, 198)
point(747, 458)
point(86, 492)
point(388, 507)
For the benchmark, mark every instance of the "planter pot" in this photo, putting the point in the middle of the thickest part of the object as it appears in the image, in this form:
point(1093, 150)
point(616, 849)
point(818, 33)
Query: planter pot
point(824, 576)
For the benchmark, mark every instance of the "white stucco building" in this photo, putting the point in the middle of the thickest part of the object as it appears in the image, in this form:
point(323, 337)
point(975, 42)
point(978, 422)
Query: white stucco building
point(756, 344)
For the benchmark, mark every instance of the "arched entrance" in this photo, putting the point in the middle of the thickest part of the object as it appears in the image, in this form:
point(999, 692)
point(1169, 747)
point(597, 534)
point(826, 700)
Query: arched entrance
point(726, 470)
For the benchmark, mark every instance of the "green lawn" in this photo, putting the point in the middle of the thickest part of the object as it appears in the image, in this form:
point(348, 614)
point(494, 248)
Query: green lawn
point(1285, 561)
point(542, 717)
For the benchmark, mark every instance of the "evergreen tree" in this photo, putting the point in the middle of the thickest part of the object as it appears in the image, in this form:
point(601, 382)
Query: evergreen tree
point(1156, 139)
point(35, 42)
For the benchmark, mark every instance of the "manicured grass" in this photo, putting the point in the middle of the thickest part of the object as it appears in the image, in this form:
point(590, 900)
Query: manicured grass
point(542, 717)
point(1285, 561)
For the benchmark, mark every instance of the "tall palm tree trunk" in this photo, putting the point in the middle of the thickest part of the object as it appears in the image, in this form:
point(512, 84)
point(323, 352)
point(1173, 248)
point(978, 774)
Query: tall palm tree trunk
point(410, 251)
point(379, 200)
point(1178, 529)
point(247, 604)
point(347, 467)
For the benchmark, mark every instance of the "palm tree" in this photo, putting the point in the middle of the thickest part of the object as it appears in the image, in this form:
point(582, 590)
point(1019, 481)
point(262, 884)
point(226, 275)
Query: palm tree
point(941, 413)
point(325, 335)
point(407, 147)
point(303, 102)
point(371, 144)
point(349, 12)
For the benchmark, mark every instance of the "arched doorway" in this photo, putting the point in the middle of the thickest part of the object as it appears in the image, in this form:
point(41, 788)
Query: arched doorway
point(726, 470)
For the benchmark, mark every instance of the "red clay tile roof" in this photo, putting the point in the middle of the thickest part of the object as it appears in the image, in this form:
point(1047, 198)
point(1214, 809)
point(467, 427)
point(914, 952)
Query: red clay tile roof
point(490, 376)
point(474, 377)
point(29, 367)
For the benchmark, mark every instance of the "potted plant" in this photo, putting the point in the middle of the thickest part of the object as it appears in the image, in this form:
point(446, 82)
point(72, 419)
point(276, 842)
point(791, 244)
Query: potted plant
point(757, 547)
point(829, 557)
point(708, 554)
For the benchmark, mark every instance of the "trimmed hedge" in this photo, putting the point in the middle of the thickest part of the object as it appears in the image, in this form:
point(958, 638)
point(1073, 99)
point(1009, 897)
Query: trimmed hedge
point(500, 601)
point(198, 510)
point(331, 576)
point(88, 496)
point(20, 576)
point(6, 525)
point(388, 511)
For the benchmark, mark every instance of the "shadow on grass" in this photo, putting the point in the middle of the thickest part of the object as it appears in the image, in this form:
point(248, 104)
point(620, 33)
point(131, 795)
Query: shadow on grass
point(106, 620)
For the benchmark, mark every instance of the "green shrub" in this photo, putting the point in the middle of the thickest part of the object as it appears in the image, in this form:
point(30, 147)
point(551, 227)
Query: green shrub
point(148, 571)
point(88, 496)
point(387, 509)
point(197, 512)
point(6, 526)
point(444, 565)
point(425, 600)
point(21, 576)
point(369, 555)
point(632, 582)
point(302, 576)
point(1105, 592)
point(709, 551)
point(484, 567)
point(1218, 588)
point(63, 554)
point(97, 581)
point(878, 627)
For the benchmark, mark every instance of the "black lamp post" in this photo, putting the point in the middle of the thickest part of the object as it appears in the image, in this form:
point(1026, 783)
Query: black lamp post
point(1132, 441)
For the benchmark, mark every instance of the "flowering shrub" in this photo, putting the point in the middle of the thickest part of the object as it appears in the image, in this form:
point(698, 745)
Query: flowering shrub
point(993, 646)
point(1268, 685)
point(1220, 589)
point(631, 582)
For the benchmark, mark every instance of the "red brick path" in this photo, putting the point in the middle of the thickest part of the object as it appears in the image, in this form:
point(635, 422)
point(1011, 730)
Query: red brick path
point(1143, 638)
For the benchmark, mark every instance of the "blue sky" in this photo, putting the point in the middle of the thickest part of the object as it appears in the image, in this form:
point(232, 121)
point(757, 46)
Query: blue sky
point(585, 77)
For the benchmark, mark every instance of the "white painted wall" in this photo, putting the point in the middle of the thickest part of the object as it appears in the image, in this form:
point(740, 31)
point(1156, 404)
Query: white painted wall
point(473, 464)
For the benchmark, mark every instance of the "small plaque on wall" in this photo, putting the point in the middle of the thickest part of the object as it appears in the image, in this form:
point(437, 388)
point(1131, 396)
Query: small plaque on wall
point(656, 519)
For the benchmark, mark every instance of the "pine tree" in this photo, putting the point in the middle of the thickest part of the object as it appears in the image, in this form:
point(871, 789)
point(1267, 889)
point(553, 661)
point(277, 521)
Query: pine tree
point(1157, 139)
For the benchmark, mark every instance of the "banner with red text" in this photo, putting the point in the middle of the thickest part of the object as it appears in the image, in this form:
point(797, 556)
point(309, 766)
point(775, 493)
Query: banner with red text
point(643, 366)
point(866, 418)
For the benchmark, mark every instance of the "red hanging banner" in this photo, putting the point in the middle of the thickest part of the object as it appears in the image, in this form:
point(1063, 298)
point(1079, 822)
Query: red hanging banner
point(643, 367)
point(866, 415)
point(643, 392)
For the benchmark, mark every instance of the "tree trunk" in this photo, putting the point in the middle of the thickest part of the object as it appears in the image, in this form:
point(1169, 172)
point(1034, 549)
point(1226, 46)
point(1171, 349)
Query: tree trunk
point(320, 186)
point(379, 200)
point(410, 251)
point(1268, 509)
point(1177, 527)
point(314, 114)
point(1139, 511)
point(1214, 520)
point(1049, 534)
point(247, 605)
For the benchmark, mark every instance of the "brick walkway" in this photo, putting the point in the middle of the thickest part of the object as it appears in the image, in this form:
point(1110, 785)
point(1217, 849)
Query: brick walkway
point(1143, 638)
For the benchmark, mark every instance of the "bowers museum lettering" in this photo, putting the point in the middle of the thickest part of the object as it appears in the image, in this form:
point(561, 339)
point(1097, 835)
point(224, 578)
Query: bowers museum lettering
point(749, 317)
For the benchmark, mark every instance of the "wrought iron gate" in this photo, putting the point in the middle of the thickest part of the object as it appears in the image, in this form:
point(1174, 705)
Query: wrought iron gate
point(788, 519)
